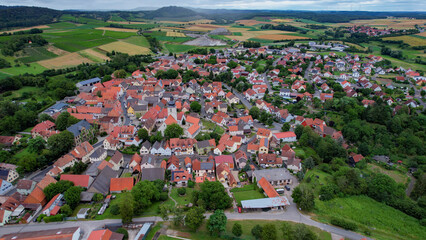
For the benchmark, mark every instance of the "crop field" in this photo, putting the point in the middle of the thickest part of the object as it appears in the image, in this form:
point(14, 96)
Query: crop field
point(68, 60)
point(117, 29)
point(35, 54)
point(125, 47)
point(27, 28)
point(137, 40)
point(282, 20)
point(175, 34)
point(252, 22)
point(387, 23)
point(33, 68)
point(176, 48)
point(203, 27)
point(247, 33)
point(410, 40)
point(201, 21)
point(422, 34)
point(280, 37)
point(97, 56)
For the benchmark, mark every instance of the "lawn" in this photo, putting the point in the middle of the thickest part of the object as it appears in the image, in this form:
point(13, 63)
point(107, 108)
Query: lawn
point(382, 221)
point(247, 195)
point(153, 230)
point(34, 68)
point(318, 178)
point(164, 237)
point(208, 125)
point(397, 176)
point(29, 92)
point(182, 200)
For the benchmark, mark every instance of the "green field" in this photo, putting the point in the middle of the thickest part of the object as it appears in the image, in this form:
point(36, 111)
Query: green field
point(36, 54)
point(34, 68)
point(382, 221)
point(247, 195)
point(139, 41)
point(175, 48)
point(31, 92)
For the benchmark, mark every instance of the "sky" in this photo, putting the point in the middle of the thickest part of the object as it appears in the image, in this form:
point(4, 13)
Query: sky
point(340, 5)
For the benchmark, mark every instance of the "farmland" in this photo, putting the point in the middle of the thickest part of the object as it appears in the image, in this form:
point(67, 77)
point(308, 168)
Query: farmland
point(410, 40)
point(67, 60)
point(279, 37)
point(124, 47)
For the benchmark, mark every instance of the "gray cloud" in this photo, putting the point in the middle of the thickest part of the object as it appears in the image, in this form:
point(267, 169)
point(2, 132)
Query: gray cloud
point(346, 5)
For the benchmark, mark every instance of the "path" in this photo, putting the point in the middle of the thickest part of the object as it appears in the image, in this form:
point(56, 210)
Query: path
point(170, 196)
point(103, 33)
point(410, 185)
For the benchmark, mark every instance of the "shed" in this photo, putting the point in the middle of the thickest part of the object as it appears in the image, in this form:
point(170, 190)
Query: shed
point(82, 214)
point(265, 203)
point(86, 196)
point(143, 232)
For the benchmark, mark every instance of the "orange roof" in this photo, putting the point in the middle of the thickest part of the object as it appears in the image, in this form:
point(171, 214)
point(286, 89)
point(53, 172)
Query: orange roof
point(281, 135)
point(170, 120)
point(36, 196)
point(192, 120)
point(78, 180)
point(104, 164)
point(193, 129)
point(120, 184)
point(263, 132)
point(46, 181)
point(268, 188)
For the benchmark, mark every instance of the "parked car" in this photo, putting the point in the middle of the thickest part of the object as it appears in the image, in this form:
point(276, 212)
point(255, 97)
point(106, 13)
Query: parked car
point(287, 188)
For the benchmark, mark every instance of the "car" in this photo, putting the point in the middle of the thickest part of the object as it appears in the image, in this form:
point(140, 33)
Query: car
point(287, 188)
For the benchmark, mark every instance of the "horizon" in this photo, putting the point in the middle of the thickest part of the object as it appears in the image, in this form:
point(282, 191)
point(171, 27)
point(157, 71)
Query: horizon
point(264, 5)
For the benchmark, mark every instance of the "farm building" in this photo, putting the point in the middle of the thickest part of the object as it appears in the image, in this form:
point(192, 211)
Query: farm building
point(275, 203)
point(89, 82)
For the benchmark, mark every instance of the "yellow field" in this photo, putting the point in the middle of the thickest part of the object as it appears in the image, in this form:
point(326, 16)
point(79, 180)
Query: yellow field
point(95, 54)
point(56, 50)
point(412, 41)
point(279, 20)
point(175, 34)
point(25, 29)
point(252, 22)
point(387, 23)
point(246, 34)
point(127, 22)
point(423, 34)
point(67, 60)
point(124, 47)
point(279, 37)
point(203, 27)
point(117, 29)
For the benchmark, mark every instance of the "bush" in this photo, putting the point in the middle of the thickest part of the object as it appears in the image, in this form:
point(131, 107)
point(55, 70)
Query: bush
point(423, 222)
point(123, 231)
point(39, 218)
point(181, 191)
point(164, 196)
point(344, 224)
point(66, 210)
point(114, 209)
point(56, 218)
point(191, 184)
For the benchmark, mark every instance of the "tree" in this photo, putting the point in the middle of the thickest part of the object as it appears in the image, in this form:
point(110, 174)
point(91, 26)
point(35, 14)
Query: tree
point(126, 206)
point(285, 127)
point(61, 143)
point(256, 231)
point(119, 73)
point(194, 218)
point(66, 210)
point(195, 106)
point(36, 144)
point(269, 232)
point(301, 232)
point(328, 192)
point(143, 134)
point(178, 217)
point(381, 187)
point(173, 131)
point(309, 163)
point(65, 120)
point(124, 232)
point(298, 131)
point(144, 193)
point(303, 195)
point(287, 230)
point(237, 229)
point(217, 222)
point(54, 188)
point(97, 197)
point(72, 196)
point(232, 64)
point(214, 196)
point(164, 211)
point(44, 117)
point(27, 163)
point(254, 112)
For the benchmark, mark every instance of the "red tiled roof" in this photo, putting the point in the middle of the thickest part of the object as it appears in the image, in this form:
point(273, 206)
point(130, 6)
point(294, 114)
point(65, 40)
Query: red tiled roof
point(268, 188)
point(281, 135)
point(120, 184)
point(78, 180)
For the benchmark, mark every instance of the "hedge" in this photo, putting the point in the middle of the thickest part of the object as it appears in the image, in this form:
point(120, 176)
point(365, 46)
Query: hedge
point(344, 224)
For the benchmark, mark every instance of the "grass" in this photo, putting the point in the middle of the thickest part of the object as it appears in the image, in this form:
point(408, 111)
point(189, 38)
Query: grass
point(247, 195)
point(36, 54)
point(175, 48)
point(395, 175)
point(164, 237)
point(77, 209)
point(139, 41)
point(153, 230)
point(247, 225)
point(33, 68)
point(207, 125)
point(382, 221)
point(316, 182)
point(31, 92)
point(182, 200)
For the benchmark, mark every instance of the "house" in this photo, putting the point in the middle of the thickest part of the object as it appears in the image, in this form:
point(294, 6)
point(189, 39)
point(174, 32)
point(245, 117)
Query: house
point(117, 160)
point(8, 172)
point(118, 185)
point(4, 217)
point(52, 207)
point(275, 176)
point(89, 82)
point(241, 159)
point(355, 158)
point(5, 187)
point(65, 161)
point(78, 180)
point(206, 146)
point(263, 145)
point(161, 148)
point(268, 189)
point(173, 163)
point(152, 174)
point(102, 181)
point(82, 131)
point(294, 164)
point(99, 155)
point(182, 146)
point(225, 159)
point(225, 176)
point(147, 161)
point(203, 168)
point(285, 93)
point(263, 133)
point(110, 143)
point(285, 137)
point(145, 148)
point(105, 234)
point(269, 160)
point(83, 151)
point(181, 177)
point(25, 187)
point(44, 129)
point(36, 197)
point(71, 233)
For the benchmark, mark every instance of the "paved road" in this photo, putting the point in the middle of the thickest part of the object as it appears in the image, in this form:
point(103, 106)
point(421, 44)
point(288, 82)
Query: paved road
point(123, 106)
point(241, 97)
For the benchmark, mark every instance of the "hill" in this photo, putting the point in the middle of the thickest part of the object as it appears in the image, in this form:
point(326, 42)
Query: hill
point(26, 16)
point(172, 12)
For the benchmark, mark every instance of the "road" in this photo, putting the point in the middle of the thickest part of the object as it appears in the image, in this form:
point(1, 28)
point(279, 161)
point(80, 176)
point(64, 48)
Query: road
point(241, 97)
point(123, 106)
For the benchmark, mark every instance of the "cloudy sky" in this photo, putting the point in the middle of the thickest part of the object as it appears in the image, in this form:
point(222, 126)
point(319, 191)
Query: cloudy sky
point(347, 5)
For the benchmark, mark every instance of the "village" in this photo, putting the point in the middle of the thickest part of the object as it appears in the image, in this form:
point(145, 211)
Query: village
point(185, 132)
